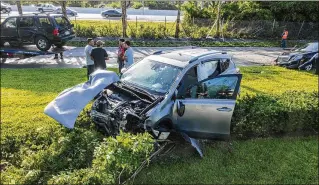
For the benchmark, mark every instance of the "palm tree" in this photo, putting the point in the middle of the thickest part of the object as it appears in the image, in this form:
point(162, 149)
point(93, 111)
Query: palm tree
point(124, 6)
point(19, 7)
point(178, 19)
point(63, 8)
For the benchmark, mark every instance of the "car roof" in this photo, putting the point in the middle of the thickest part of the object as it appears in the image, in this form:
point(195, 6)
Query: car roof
point(183, 57)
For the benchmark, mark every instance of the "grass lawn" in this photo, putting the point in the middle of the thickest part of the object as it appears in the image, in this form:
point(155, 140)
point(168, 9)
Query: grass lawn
point(25, 129)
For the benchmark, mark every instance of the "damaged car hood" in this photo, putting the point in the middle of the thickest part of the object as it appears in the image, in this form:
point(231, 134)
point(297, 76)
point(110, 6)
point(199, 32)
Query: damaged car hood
point(66, 107)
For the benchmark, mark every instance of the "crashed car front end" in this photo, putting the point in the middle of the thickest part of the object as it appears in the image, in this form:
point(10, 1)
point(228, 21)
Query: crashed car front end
point(120, 108)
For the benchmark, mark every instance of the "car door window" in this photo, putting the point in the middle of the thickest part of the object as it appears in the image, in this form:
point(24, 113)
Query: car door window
point(222, 87)
point(11, 23)
point(207, 69)
point(44, 22)
point(26, 22)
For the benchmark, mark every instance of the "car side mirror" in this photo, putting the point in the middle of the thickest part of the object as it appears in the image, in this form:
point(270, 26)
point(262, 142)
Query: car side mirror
point(180, 108)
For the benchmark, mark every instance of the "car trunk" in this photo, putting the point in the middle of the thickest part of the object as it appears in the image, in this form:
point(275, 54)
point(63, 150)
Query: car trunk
point(64, 26)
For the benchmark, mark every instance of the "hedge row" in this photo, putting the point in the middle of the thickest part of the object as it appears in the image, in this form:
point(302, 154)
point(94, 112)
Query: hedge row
point(293, 112)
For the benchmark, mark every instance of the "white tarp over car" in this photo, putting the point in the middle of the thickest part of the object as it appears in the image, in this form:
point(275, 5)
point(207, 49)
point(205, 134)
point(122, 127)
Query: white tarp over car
point(66, 107)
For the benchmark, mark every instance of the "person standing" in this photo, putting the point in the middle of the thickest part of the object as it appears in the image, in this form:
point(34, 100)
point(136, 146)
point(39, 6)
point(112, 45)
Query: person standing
point(284, 37)
point(89, 62)
point(120, 54)
point(128, 55)
point(99, 56)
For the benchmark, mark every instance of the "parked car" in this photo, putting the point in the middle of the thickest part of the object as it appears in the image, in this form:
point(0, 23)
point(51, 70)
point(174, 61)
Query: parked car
point(5, 8)
point(69, 11)
point(111, 13)
point(46, 8)
point(191, 91)
point(297, 57)
point(310, 64)
point(42, 30)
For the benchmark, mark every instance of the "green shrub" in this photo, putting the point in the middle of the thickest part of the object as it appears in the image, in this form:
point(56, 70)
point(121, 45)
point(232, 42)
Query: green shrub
point(137, 5)
point(113, 159)
point(264, 115)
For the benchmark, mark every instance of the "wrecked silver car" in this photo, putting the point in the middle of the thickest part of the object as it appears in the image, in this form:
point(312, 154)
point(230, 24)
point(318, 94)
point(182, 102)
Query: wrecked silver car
point(189, 91)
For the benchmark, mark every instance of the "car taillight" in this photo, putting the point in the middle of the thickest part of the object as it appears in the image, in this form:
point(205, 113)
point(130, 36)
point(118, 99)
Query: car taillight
point(56, 32)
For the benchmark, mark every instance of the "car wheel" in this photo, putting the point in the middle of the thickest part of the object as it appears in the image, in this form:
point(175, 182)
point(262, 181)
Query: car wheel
point(41, 10)
point(308, 67)
point(42, 43)
point(72, 14)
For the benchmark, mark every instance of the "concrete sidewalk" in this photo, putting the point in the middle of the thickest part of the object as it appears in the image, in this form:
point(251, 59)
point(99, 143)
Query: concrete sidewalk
point(74, 57)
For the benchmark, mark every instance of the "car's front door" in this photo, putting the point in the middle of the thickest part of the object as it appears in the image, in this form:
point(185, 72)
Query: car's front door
point(9, 30)
point(207, 108)
point(27, 29)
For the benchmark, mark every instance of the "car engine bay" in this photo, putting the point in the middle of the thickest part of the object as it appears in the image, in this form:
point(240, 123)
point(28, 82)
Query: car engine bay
point(121, 107)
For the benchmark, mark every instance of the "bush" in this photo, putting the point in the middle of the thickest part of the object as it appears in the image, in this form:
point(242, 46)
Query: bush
point(137, 5)
point(113, 159)
point(293, 112)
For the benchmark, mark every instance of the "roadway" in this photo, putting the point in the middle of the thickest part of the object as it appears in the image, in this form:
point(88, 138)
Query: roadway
point(95, 14)
point(74, 57)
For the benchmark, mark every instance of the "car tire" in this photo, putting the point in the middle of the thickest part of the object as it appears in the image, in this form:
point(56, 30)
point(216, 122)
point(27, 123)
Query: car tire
point(41, 10)
point(308, 67)
point(42, 43)
point(106, 16)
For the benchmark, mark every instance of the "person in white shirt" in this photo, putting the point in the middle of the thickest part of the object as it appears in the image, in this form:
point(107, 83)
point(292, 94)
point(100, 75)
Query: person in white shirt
point(89, 61)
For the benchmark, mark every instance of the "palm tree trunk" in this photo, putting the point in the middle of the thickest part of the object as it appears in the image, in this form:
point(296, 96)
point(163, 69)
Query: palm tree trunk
point(19, 7)
point(178, 20)
point(218, 20)
point(124, 19)
point(63, 7)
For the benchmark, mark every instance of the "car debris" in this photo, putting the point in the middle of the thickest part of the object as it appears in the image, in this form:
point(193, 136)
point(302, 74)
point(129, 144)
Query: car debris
point(192, 92)
point(297, 57)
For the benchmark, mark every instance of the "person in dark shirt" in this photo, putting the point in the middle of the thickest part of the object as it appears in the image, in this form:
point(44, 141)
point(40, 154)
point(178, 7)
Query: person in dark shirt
point(99, 56)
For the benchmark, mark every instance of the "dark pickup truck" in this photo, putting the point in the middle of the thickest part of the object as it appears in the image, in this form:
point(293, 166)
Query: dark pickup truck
point(43, 30)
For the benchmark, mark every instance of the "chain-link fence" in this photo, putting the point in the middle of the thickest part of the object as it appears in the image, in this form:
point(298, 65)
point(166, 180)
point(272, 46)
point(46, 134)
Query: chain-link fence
point(151, 28)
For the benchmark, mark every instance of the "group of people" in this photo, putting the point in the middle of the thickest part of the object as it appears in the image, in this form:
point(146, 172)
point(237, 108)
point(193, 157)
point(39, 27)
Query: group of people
point(96, 57)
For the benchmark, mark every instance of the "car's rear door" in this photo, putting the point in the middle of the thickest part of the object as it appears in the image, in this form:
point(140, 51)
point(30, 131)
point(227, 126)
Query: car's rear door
point(207, 109)
point(9, 30)
point(27, 29)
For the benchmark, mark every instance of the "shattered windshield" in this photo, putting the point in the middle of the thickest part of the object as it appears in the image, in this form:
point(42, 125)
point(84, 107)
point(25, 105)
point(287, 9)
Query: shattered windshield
point(152, 75)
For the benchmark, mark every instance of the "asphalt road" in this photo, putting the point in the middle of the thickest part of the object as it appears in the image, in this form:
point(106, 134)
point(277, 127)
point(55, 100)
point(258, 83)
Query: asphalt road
point(74, 57)
point(95, 14)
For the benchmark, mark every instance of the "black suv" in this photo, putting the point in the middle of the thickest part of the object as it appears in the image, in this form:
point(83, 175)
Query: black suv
point(41, 30)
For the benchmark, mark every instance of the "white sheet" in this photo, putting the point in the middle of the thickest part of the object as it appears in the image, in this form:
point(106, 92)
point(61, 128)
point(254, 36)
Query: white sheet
point(66, 107)
point(206, 69)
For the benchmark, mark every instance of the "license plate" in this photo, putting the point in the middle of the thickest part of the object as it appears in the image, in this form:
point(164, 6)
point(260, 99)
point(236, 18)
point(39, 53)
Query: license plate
point(67, 33)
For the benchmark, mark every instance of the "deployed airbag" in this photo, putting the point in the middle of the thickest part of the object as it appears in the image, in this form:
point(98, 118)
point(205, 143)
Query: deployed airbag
point(66, 107)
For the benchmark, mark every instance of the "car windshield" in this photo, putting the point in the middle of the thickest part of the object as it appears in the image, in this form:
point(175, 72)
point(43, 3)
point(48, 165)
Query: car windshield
point(309, 47)
point(152, 75)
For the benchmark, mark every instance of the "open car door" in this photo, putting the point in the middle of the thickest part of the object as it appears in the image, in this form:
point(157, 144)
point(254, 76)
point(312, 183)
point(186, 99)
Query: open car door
point(207, 108)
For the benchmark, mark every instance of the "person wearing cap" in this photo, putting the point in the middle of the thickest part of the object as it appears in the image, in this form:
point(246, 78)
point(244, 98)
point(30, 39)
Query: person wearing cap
point(89, 62)
point(99, 56)
point(128, 55)
point(120, 54)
